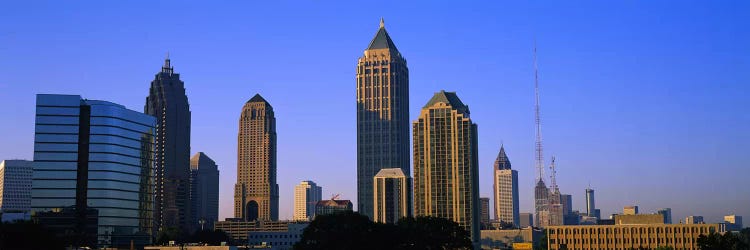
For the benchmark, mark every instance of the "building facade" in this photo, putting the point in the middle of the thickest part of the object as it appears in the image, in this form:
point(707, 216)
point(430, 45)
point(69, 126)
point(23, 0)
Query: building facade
point(238, 229)
point(590, 204)
point(734, 222)
point(277, 240)
point(95, 155)
point(332, 206)
point(445, 163)
point(15, 186)
point(204, 191)
point(541, 204)
point(625, 237)
point(694, 219)
point(306, 196)
point(526, 220)
point(667, 214)
point(392, 195)
point(169, 104)
point(382, 115)
point(504, 239)
point(505, 187)
point(630, 210)
point(484, 211)
point(256, 194)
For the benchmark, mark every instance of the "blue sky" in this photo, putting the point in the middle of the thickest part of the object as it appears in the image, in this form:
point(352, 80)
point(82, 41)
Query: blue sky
point(645, 100)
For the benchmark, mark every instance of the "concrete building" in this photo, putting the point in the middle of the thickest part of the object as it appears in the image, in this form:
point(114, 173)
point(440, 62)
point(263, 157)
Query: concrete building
point(392, 200)
point(624, 237)
point(693, 219)
point(332, 206)
point(505, 189)
point(382, 115)
point(484, 213)
point(633, 219)
point(590, 204)
point(277, 240)
point(306, 196)
point(667, 214)
point(204, 191)
point(238, 229)
point(630, 210)
point(97, 155)
point(541, 204)
point(168, 103)
point(15, 189)
point(525, 220)
point(734, 222)
point(504, 239)
point(445, 163)
point(256, 194)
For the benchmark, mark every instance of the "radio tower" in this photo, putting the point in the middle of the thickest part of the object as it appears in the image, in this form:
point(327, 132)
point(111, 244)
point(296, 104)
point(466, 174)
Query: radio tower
point(541, 192)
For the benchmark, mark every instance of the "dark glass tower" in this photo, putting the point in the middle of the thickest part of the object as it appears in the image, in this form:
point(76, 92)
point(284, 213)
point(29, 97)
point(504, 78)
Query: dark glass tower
point(169, 104)
point(382, 115)
point(204, 191)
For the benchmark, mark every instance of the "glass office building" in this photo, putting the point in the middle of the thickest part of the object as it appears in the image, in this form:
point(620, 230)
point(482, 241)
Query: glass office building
point(95, 155)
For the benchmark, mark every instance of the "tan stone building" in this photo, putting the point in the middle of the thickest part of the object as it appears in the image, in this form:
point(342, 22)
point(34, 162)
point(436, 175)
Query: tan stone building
point(625, 237)
point(382, 115)
point(504, 239)
point(392, 192)
point(445, 163)
point(256, 194)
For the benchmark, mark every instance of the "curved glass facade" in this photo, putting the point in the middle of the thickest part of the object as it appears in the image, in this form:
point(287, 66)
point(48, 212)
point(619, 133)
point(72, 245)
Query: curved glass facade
point(108, 147)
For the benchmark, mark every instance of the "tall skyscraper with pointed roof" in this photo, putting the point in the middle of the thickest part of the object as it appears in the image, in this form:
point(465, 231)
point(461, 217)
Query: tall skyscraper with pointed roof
point(446, 180)
point(169, 104)
point(505, 190)
point(382, 115)
point(256, 194)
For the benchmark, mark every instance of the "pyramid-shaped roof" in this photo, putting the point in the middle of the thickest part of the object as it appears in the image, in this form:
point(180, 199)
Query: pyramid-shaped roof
point(502, 161)
point(382, 40)
point(449, 98)
point(257, 98)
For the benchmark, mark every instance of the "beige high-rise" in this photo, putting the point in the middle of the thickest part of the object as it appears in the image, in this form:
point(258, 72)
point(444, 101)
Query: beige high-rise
point(382, 115)
point(256, 194)
point(445, 163)
point(392, 192)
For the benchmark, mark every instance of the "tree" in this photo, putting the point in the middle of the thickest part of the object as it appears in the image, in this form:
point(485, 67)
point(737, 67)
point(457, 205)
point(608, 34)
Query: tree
point(542, 241)
point(354, 231)
point(28, 235)
point(726, 241)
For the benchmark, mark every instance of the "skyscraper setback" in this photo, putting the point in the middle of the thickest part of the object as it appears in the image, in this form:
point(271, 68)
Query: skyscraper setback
point(169, 104)
point(256, 194)
point(382, 115)
point(445, 163)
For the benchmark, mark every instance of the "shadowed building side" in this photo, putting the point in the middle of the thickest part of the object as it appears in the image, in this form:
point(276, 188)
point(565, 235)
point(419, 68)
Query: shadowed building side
point(382, 115)
point(256, 194)
point(204, 191)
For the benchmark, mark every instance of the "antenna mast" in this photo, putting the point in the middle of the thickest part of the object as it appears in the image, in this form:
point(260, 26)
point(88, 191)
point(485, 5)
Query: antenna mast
point(539, 155)
point(553, 177)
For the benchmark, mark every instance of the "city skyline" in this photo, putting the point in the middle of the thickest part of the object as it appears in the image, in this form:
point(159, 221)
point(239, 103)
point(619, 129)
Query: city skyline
point(628, 137)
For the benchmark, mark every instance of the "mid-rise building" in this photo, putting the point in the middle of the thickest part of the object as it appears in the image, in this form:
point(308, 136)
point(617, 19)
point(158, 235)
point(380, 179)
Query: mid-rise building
point(238, 229)
point(694, 219)
point(484, 212)
point(633, 219)
point(505, 187)
point(633, 236)
point(541, 204)
point(382, 115)
point(204, 191)
point(306, 196)
point(505, 238)
point(277, 240)
point(256, 194)
point(667, 213)
point(525, 220)
point(445, 163)
point(332, 206)
point(567, 204)
point(392, 195)
point(95, 155)
point(168, 103)
point(734, 222)
point(15, 186)
point(630, 210)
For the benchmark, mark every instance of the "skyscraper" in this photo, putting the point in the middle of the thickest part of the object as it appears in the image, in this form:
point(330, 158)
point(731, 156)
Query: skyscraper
point(15, 186)
point(306, 196)
point(169, 104)
point(382, 115)
point(484, 211)
point(667, 213)
point(527, 220)
point(256, 194)
point(95, 154)
point(590, 205)
point(204, 191)
point(392, 200)
point(445, 163)
point(505, 190)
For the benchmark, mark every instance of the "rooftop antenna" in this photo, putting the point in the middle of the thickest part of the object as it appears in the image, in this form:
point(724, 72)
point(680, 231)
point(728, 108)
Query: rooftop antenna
point(539, 154)
point(553, 177)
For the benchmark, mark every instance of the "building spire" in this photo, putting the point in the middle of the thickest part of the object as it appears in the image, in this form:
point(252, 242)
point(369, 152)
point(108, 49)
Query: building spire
point(167, 68)
point(382, 23)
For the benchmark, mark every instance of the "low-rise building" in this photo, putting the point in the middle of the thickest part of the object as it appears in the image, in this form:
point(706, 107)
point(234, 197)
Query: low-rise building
point(238, 229)
point(694, 219)
point(632, 236)
point(332, 206)
point(504, 239)
point(277, 240)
